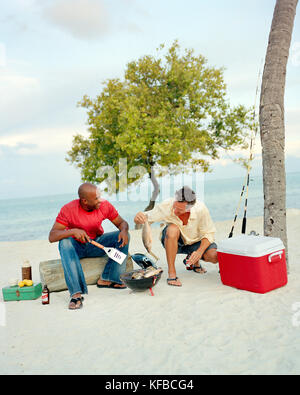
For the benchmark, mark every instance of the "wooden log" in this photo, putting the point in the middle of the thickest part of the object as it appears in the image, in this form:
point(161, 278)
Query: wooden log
point(52, 273)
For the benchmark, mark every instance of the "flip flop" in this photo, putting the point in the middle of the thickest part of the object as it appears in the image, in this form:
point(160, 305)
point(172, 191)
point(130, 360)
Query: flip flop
point(194, 268)
point(173, 279)
point(111, 285)
point(185, 262)
point(75, 301)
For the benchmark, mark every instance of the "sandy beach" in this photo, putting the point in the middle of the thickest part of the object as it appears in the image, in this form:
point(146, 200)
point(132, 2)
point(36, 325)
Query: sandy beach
point(202, 328)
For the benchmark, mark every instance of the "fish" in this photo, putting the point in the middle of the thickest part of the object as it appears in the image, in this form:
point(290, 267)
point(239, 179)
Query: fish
point(146, 273)
point(138, 275)
point(151, 271)
point(147, 238)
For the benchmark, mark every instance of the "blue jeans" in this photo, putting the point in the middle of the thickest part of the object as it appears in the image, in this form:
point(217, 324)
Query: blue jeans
point(71, 251)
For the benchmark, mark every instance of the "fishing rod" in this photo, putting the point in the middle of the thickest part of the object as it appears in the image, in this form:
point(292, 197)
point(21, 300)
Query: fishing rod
point(244, 223)
point(247, 179)
point(238, 209)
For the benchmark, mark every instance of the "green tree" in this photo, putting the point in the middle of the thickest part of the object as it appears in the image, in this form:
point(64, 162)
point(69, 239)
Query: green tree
point(169, 114)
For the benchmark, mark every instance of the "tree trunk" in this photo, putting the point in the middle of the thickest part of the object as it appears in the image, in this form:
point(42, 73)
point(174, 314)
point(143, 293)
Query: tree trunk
point(155, 192)
point(154, 196)
point(271, 120)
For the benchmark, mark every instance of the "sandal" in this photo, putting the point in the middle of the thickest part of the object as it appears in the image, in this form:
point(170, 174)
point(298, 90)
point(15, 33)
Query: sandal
point(201, 271)
point(193, 267)
point(75, 302)
point(188, 267)
point(112, 285)
point(173, 279)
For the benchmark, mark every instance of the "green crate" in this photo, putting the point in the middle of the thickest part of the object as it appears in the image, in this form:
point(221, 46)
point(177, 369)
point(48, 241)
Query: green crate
point(24, 293)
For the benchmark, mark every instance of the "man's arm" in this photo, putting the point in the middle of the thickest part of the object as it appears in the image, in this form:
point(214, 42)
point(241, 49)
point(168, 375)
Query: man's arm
point(157, 214)
point(197, 255)
point(59, 232)
point(122, 225)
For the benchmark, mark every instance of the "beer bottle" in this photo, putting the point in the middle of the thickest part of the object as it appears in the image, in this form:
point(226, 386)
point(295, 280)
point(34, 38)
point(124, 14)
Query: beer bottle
point(45, 295)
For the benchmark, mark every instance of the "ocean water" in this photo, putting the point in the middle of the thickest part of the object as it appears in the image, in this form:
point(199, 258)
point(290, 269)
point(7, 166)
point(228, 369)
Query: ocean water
point(32, 218)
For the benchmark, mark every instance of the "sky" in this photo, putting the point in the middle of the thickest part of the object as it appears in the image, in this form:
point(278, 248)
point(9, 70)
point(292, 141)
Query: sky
point(52, 52)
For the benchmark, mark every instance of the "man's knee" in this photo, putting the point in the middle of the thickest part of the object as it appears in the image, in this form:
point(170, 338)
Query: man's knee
point(211, 256)
point(173, 232)
point(66, 244)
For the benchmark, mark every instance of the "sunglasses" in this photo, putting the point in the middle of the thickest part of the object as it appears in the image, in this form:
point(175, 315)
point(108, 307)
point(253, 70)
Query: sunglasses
point(187, 207)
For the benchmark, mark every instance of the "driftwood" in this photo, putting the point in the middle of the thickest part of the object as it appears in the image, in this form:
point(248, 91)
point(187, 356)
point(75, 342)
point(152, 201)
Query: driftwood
point(52, 274)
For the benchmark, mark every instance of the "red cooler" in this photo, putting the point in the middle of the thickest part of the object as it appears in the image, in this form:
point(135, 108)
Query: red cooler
point(252, 263)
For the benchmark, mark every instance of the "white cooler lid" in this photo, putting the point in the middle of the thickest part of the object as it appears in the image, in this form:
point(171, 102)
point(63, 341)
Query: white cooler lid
point(252, 246)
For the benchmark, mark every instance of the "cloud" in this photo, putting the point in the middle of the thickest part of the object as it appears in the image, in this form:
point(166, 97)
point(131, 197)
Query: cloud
point(12, 80)
point(16, 89)
point(39, 141)
point(83, 19)
point(18, 148)
point(18, 92)
point(30, 101)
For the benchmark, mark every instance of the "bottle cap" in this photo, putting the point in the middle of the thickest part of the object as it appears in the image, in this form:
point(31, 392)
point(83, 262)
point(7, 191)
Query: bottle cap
point(26, 264)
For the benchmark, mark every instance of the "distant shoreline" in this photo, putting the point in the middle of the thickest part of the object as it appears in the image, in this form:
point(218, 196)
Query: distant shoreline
point(220, 226)
point(146, 201)
point(32, 218)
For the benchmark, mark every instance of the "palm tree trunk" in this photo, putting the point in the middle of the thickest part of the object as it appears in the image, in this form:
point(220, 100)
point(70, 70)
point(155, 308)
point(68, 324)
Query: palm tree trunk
point(271, 120)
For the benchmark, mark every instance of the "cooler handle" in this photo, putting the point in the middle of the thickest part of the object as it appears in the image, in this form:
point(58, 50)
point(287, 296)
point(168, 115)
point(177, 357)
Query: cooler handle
point(275, 254)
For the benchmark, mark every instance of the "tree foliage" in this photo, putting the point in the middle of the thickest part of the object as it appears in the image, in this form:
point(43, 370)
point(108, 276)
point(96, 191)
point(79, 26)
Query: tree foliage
point(170, 113)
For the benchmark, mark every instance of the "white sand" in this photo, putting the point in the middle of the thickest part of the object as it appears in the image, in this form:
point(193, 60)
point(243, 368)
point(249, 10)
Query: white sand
point(202, 328)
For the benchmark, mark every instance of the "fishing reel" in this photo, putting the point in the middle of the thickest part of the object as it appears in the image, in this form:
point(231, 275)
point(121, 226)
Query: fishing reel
point(143, 261)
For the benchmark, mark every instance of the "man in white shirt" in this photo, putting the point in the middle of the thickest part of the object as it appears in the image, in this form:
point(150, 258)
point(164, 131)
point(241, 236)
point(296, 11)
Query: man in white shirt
point(189, 230)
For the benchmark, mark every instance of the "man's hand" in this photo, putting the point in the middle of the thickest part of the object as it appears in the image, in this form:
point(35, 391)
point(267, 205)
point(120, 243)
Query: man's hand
point(197, 255)
point(122, 225)
point(194, 258)
point(140, 218)
point(123, 236)
point(80, 235)
point(60, 232)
